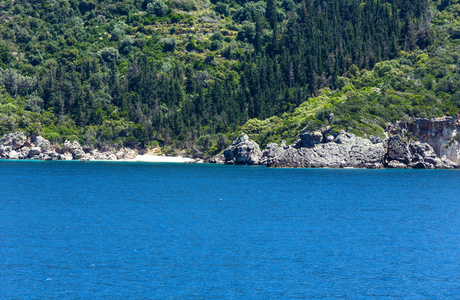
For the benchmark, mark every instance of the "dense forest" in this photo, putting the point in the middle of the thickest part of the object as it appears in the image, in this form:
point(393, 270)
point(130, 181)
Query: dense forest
point(191, 74)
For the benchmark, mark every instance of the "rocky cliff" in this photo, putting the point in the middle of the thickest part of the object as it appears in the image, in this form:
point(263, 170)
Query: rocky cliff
point(442, 134)
point(18, 146)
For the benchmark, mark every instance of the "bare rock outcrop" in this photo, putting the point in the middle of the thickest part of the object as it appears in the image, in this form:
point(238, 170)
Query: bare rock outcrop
point(328, 151)
point(18, 146)
point(442, 134)
point(74, 148)
point(414, 154)
point(243, 151)
point(398, 150)
point(14, 140)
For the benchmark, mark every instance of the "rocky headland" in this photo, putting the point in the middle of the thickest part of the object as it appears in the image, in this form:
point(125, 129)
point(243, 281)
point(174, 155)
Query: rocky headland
point(418, 144)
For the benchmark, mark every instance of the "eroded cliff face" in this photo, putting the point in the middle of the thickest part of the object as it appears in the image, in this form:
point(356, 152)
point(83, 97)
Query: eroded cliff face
point(440, 133)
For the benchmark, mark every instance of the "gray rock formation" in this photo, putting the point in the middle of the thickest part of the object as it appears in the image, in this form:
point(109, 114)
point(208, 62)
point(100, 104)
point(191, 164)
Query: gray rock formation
point(440, 133)
point(105, 156)
point(42, 143)
point(18, 146)
point(414, 155)
point(73, 148)
point(35, 151)
point(13, 155)
point(243, 152)
point(125, 153)
point(398, 150)
point(218, 159)
point(15, 140)
point(310, 139)
point(344, 150)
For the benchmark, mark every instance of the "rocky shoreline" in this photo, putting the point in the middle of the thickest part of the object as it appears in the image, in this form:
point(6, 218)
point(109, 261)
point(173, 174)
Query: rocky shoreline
point(17, 146)
point(417, 144)
point(421, 144)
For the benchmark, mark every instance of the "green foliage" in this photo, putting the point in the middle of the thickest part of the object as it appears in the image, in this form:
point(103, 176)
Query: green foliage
point(169, 44)
point(189, 73)
point(5, 55)
point(222, 8)
point(109, 55)
point(157, 8)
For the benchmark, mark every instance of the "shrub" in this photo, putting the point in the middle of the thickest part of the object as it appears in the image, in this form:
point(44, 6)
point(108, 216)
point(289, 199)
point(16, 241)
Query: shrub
point(109, 54)
point(169, 44)
point(222, 8)
point(157, 8)
point(216, 45)
point(217, 36)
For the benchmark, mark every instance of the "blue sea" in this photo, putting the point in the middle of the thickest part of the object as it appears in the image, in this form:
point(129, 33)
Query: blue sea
point(123, 230)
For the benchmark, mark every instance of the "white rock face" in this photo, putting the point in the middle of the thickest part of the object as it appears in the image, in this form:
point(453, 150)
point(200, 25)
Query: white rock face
point(66, 156)
point(452, 152)
point(15, 140)
point(44, 144)
point(105, 156)
point(13, 155)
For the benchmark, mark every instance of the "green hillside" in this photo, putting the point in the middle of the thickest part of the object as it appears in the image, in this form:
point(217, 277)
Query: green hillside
point(185, 74)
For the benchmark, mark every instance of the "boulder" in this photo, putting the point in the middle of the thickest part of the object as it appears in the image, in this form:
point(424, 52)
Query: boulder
point(35, 151)
point(396, 165)
point(219, 159)
point(78, 153)
point(66, 156)
point(120, 155)
point(4, 151)
point(50, 155)
point(13, 155)
point(243, 151)
point(73, 148)
point(105, 156)
point(125, 153)
point(87, 156)
point(23, 153)
point(130, 154)
point(44, 144)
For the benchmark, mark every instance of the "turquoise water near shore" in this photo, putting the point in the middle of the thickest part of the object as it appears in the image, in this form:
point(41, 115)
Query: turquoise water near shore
point(154, 231)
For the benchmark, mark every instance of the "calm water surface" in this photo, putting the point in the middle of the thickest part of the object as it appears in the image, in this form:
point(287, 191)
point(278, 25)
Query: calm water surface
point(172, 231)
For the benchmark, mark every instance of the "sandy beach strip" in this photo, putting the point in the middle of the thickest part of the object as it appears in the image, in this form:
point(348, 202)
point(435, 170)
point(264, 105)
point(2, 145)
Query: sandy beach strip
point(165, 159)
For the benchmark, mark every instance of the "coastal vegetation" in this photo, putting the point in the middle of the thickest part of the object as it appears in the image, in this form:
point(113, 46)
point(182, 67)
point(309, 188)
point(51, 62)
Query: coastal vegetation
point(193, 74)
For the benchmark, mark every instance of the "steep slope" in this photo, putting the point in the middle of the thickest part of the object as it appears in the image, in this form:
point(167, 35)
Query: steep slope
point(186, 74)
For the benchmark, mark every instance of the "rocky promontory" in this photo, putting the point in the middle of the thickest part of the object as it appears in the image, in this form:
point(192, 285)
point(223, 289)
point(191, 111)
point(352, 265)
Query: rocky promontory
point(243, 152)
point(325, 150)
point(17, 146)
point(421, 144)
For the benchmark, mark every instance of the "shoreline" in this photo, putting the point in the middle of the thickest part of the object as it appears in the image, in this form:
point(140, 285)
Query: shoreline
point(139, 158)
point(161, 159)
